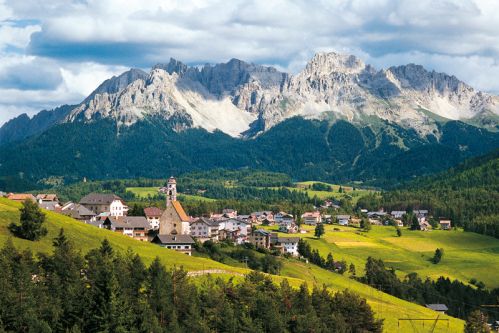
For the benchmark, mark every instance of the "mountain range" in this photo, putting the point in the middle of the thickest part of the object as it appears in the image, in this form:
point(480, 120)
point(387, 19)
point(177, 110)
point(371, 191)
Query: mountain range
point(338, 118)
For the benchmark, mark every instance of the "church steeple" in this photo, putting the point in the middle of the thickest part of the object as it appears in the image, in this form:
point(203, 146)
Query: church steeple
point(171, 191)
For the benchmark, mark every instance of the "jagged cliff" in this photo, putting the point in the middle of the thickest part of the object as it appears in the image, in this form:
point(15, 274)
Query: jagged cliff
point(242, 99)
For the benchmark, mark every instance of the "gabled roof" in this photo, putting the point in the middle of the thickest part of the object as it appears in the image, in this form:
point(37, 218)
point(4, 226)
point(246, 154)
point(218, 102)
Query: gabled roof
point(152, 211)
point(128, 222)
point(46, 197)
point(343, 217)
point(173, 239)
point(288, 239)
point(20, 196)
point(311, 214)
point(207, 221)
point(99, 199)
point(437, 307)
point(76, 210)
point(180, 211)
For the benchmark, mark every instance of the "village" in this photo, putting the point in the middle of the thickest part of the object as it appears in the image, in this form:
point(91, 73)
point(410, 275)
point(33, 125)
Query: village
point(173, 229)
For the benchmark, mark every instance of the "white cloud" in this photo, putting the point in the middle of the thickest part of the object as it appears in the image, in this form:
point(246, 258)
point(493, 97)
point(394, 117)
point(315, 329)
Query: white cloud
point(87, 41)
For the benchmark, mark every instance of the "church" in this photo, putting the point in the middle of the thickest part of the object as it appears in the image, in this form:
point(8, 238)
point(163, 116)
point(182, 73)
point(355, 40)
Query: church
point(174, 220)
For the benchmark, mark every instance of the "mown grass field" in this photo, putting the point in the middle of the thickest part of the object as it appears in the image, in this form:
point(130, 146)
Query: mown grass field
point(144, 192)
point(347, 190)
point(86, 237)
point(467, 255)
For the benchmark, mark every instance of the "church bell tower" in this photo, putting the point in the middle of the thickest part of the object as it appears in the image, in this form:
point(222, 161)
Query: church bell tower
point(171, 191)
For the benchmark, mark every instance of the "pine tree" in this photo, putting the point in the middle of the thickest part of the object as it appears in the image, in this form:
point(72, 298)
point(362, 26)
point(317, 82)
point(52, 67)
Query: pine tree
point(32, 219)
point(477, 323)
point(319, 230)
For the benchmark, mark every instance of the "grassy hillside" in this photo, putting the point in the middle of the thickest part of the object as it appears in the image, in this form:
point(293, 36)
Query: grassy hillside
point(385, 306)
point(86, 237)
point(467, 255)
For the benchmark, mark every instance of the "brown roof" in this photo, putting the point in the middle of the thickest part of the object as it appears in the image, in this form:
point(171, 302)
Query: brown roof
point(47, 197)
point(99, 199)
point(21, 196)
point(180, 211)
point(152, 211)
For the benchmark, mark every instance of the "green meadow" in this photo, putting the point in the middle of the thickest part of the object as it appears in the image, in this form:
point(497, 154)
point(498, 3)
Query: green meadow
point(144, 192)
point(86, 237)
point(467, 255)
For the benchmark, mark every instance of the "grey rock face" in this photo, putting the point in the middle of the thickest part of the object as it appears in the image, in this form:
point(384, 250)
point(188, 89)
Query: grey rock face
point(242, 98)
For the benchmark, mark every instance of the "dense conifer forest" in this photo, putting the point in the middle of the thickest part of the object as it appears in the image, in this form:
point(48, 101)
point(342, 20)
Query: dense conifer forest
point(107, 291)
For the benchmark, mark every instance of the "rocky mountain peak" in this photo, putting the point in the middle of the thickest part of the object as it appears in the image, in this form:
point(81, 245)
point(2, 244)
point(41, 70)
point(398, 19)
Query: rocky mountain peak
point(118, 83)
point(326, 63)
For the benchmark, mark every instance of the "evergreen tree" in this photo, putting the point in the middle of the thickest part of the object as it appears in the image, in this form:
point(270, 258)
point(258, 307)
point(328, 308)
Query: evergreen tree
point(414, 222)
point(319, 230)
point(476, 323)
point(438, 255)
point(351, 269)
point(32, 219)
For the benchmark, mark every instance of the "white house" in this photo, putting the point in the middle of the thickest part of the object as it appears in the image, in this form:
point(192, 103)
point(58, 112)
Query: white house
point(288, 245)
point(105, 203)
point(283, 217)
point(397, 214)
point(152, 215)
point(312, 218)
point(343, 219)
point(234, 225)
point(204, 229)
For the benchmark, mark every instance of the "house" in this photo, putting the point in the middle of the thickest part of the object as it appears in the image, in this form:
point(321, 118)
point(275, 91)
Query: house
point(235, 230)
point(105, 203)
point(260, 238)
point(204, 229)
point(421, 213)
point(21, 197)
point(245, 218)
point(283, 217)
point(424, 226)
point(259, 217)
point(288, 245)
point(152, 215)
point(445, 224)
point(78, 212)
point(179, 243)
point(229, 213)
point(174, 220)
point(343, 219)
point(442, 308)
point(289, 228)
point(46, 198)
point(312, 218)
point(397, 214)
point(136, 227)
point(376, 215)
point(399, 223)
point(53, 206)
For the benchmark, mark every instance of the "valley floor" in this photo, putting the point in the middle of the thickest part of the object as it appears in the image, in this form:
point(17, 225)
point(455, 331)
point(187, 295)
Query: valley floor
point(86, 237)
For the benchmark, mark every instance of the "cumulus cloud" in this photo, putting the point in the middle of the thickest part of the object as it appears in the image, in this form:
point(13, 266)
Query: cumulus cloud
point(78, 42)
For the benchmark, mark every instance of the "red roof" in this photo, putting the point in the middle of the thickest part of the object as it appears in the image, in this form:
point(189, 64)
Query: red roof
point(153, 211)
point(20, 196)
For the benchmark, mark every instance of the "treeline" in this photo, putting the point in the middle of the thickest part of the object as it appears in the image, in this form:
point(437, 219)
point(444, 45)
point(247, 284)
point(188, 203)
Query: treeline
point(260, 260)
point(106, 291)
point(461, 299)
point(467, 194)
point(305, 250)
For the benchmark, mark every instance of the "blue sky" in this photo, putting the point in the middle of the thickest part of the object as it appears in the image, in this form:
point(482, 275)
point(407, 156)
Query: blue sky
point(56, 52)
